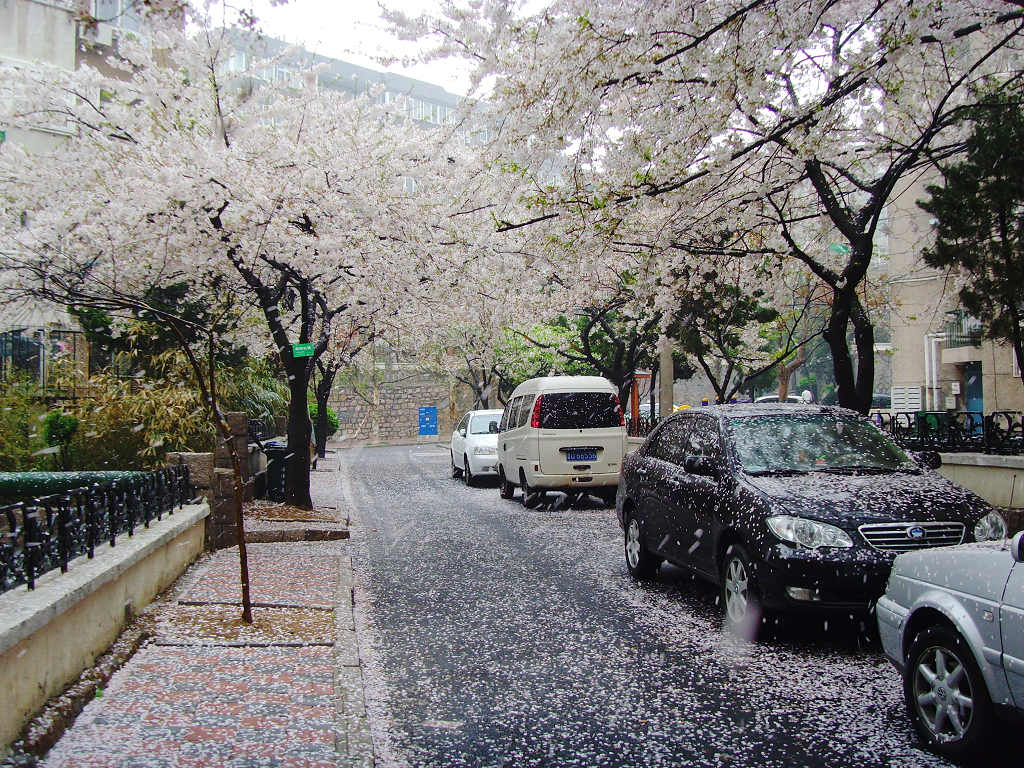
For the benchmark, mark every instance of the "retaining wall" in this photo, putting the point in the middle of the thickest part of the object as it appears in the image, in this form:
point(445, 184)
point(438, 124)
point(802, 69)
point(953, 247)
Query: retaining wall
point(51, 634)
point(999, 480)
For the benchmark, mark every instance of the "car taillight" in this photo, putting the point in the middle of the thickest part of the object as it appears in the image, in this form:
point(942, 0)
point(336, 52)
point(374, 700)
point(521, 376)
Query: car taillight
point(535, 418)
point(618, 410)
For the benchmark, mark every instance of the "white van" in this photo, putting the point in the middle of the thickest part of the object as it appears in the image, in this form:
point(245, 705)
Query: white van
point(565, 433)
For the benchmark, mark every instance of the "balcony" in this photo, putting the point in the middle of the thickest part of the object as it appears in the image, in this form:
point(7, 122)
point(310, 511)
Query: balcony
point(962, 330)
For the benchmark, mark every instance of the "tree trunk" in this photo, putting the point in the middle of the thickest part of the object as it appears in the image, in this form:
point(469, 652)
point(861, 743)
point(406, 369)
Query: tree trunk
point(785, 373)
point(299, 436)
point(864, 338)
point(323, 393)
point(239, 497)
point(853, 390)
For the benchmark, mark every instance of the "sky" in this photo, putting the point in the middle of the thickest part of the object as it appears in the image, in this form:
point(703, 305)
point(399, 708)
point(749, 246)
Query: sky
point(352, 30)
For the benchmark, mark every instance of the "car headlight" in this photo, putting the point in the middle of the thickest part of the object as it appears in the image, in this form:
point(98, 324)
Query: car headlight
point(808, 533)
point(991, 527)
point(484, 450)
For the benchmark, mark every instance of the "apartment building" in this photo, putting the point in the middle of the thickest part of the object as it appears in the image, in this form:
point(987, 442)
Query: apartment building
point(940, 362)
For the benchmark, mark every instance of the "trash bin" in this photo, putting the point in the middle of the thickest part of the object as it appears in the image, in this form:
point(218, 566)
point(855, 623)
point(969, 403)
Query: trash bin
point(277, 453)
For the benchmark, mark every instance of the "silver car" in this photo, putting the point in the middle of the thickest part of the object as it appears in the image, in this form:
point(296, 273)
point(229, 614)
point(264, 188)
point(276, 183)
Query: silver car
point(952, 621)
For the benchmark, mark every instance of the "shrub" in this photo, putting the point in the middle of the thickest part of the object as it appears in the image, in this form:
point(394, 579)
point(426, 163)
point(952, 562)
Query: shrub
point(22, 447)
point(332, 418)
point(59, 429)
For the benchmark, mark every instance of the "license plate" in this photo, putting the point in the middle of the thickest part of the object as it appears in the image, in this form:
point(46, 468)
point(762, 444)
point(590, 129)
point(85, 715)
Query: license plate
point(581, 455)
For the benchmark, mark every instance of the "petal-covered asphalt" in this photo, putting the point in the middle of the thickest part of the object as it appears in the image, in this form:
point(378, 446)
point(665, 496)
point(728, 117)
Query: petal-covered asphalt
point(504, 636)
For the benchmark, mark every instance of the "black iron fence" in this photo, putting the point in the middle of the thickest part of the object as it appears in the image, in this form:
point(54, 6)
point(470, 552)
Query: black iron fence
point(640, 426)
point(1000, 432)
point(47, 533)
point(259, 430)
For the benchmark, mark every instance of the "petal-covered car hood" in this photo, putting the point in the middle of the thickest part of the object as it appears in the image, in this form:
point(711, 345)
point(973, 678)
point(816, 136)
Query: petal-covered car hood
point(901, 496)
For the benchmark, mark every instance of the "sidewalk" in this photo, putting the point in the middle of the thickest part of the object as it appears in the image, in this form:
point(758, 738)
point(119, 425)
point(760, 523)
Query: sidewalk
point(207, 690)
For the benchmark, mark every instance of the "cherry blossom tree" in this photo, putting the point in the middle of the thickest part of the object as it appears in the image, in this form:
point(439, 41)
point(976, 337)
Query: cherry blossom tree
point(668, 116)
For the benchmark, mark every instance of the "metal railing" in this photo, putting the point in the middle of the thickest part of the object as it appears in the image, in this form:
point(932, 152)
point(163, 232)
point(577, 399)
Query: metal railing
point(1000, 432)
point(963, 330)
point(259, 430)
point(640, 426)
point(46, 533)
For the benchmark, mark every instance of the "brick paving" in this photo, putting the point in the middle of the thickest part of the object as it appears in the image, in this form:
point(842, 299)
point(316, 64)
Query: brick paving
point(190, 700)
point(203, 706)
point(309, 581)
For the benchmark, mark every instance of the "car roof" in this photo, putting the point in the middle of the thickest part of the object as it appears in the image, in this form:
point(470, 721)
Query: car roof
point(733, 410)
point(566, 384)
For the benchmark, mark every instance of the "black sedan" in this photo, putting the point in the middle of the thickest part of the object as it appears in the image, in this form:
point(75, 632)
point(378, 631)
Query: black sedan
point(787, 507)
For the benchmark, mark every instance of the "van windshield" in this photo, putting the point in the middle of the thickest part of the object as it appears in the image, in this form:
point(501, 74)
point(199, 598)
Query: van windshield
point(579, 410)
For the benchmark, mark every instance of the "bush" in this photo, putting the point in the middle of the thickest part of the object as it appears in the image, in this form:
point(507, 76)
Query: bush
point(332, 418)
point(22, 447)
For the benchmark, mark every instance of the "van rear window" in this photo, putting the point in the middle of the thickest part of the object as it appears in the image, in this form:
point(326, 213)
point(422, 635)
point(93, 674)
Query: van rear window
point(579, 410)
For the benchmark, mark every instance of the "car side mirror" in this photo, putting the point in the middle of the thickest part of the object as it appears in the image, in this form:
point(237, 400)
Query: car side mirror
point(462, 433)
point(493, 428)
point(927, 459)
point(1017, 547)
point(700, 465)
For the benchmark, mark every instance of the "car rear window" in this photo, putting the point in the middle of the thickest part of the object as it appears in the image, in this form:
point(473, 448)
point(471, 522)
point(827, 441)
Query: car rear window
point(579, 410)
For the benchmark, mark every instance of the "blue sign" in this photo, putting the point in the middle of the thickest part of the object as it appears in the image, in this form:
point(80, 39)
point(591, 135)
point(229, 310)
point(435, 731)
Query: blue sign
point(428, 421)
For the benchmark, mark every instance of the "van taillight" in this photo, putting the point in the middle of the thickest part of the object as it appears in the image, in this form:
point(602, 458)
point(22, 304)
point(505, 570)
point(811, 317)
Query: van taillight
point(618, 410)
point(535, 418)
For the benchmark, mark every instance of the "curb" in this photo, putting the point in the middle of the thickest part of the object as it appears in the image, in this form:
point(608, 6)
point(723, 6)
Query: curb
point(354, 741)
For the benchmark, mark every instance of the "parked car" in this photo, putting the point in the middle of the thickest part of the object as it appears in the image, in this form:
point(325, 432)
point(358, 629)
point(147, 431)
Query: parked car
point(952, 621)
point(775, 399)
point(564, 433)
point(787, 507)
point(474, 445)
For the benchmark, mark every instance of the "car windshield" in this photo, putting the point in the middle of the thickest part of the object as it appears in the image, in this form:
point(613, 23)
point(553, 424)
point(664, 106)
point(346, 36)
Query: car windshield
point(481, 425)
point(579, 410)
point(816, 442)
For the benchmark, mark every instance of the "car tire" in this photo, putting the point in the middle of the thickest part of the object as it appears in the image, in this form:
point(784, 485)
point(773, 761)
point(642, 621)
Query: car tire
point(531, 497)
point(640, 563)
point(505, 489)
point(456, 472)
point(936, 707)
point(740, 596)
point(467, 473)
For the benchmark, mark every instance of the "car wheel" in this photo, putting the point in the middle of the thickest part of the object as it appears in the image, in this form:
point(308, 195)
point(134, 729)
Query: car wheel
point(531, 496)
point(467, 473)
point(640, 563)
point(743, 612)
point(505, 488)
point(945, 692)
point(456, 472)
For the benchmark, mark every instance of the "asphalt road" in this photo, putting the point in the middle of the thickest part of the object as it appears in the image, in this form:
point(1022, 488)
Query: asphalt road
point(511, 637)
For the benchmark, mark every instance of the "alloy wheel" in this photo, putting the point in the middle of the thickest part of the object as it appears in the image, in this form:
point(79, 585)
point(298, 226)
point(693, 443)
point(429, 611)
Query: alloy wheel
point(942, 693)
point(737, 590)
point(633, 543)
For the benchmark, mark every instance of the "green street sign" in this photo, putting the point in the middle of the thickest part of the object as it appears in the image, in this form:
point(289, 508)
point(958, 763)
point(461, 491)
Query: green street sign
point(302, 350)
point(841, 248)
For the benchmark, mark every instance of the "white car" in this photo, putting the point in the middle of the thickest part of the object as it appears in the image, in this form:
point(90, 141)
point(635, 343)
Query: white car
point(474, 445)
point(952, 621)
point(561, 433)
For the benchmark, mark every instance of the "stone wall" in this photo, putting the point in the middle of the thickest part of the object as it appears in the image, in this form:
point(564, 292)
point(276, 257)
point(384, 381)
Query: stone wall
point(396, 415)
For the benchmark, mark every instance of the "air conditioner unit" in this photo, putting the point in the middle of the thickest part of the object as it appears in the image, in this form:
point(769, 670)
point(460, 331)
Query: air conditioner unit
point(100, 34)
point(907, 398)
